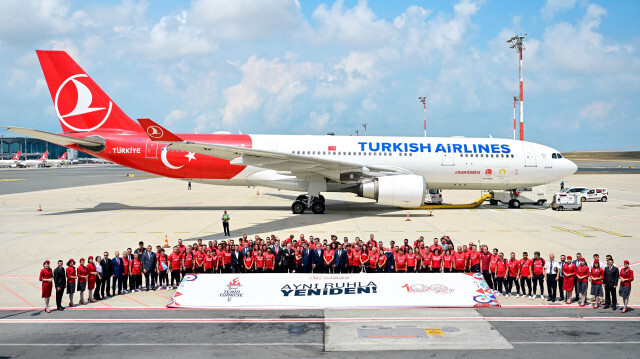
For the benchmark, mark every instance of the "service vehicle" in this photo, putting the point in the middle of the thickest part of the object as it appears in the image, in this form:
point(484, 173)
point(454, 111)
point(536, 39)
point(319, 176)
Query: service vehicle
point(515, 198)
point(594, 194)
point(434, 196)
point(562, 201)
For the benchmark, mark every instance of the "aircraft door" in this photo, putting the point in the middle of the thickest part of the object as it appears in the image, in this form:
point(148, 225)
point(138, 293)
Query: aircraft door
point(447, 159)
point(529, 156)
point(151, 150)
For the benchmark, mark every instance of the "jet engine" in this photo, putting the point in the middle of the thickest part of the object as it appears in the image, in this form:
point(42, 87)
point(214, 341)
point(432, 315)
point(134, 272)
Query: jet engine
point(398, 191)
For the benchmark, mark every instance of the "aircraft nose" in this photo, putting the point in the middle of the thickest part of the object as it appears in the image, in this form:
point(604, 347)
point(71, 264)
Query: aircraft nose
point(571, 167)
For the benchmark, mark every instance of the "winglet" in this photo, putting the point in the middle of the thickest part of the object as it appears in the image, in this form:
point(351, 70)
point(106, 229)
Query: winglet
point(157, 132)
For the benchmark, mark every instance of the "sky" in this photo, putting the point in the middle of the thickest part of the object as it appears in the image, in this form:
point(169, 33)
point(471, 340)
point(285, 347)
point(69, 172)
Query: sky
point(312, 67)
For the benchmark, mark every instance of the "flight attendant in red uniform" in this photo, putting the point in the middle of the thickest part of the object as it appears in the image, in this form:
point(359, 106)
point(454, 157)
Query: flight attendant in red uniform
point(597, 275)
point(568, 271)
point(82, 280)
point(71, 281)
point(626, 277)
point(93, 273)
point(46, 277)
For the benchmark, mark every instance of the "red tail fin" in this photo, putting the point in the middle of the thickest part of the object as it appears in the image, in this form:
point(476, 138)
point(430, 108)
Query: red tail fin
point(45, 156)
point(64, 156)
point(81, 105)
point(16, 157)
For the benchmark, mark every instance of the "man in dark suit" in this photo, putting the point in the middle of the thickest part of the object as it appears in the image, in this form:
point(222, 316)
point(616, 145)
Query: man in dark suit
point(340, 261)
point(118, 272)
point(307, 261)
point(149, 267)
point(236, 259)
point(391, 260)
point(611, 275)
point(288, 259)
point(318, 260)
point(277, 252)
point(59, 283)
point(107, 272)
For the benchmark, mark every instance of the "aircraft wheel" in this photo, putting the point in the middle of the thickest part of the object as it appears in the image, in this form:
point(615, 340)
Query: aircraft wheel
point(317, 207)
point(298, 207)
point(514, 203)
point(493, 202)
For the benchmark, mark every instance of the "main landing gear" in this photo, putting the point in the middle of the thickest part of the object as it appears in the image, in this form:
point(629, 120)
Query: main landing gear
point(303, 202)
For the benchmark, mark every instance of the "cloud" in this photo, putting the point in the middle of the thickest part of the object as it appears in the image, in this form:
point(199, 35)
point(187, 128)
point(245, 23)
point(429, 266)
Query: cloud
point(174, 117)
point(318, 121)
point(274, 84)
point(551, 7)
point(357, 27)
point(23, 22)
point(599, 110)
point(247, 19)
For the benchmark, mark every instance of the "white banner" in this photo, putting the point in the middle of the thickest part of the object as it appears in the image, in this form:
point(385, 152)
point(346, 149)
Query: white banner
point(331, 291)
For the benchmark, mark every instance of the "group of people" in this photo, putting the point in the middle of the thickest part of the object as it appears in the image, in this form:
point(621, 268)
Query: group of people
point(103, 276)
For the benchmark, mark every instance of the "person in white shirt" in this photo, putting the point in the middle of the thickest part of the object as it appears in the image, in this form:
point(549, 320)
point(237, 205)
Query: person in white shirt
point(96, 292)
point(551, 267)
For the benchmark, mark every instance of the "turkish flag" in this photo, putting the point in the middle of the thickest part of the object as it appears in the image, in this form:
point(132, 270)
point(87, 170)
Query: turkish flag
point(332, 148)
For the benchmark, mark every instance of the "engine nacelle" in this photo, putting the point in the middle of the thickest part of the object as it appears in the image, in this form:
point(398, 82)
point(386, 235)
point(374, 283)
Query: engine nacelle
point(399, 191)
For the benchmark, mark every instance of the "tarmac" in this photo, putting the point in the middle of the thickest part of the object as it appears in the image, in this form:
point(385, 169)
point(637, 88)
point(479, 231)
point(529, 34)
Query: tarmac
point(86, 210)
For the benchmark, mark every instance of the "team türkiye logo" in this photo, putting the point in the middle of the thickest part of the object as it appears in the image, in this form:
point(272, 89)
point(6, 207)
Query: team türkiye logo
point(233, 291)
point(76, 106)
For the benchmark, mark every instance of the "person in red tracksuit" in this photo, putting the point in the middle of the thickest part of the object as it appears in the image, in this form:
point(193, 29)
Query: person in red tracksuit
point(501, 273)
point(411, 261)
point(538, 274)
point(199, 261)
point(425, 260)
point(364, 260)
point(525, 274)
point(400, 261)
point(436, 261)
point(227, 260)
point(447, 261)
point(460, 260)
point(175, 264)
point(259, 264)
point(382, 263)
point(269, 261)
point(512, 275)
point(626, 277)
point(247, 260)
point(187, 261)
point(374, 255)
point(208, 262)
point(135, 271)
point(46, 277)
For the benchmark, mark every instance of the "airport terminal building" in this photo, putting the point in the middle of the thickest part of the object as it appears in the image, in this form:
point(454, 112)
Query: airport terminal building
point(33, 148)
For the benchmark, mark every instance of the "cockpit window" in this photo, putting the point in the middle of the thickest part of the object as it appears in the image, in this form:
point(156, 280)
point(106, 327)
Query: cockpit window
point(553, 155)
point(559, 155)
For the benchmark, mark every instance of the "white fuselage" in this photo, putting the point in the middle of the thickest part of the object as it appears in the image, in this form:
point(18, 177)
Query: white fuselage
point(445, 162)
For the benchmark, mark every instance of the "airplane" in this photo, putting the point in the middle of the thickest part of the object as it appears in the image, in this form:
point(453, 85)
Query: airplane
point(62, 160)
point(394, 171)
point(35, 163)
point(12, 162)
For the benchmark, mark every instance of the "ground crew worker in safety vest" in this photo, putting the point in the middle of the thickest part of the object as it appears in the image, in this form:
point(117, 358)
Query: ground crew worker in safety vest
point(225, 224)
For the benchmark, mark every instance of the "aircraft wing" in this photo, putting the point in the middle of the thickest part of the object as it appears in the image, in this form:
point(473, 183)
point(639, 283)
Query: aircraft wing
point(284, 163)
point(62, 140)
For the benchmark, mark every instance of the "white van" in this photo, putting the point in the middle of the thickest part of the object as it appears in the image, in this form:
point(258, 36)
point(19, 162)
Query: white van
point(594, 194)
point(562, 201)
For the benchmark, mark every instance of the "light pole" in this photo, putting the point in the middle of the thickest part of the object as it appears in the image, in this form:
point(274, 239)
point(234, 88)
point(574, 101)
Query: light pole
point(423, 99)
point(357, 133)
point(365, 128)
point(517, 42)
point(515, 98)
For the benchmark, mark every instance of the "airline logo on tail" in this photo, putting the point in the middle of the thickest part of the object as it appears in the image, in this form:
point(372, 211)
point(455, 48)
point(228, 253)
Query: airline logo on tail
point(16, 157)
point(73, 92)
point(44, 157)
point(63, 157)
